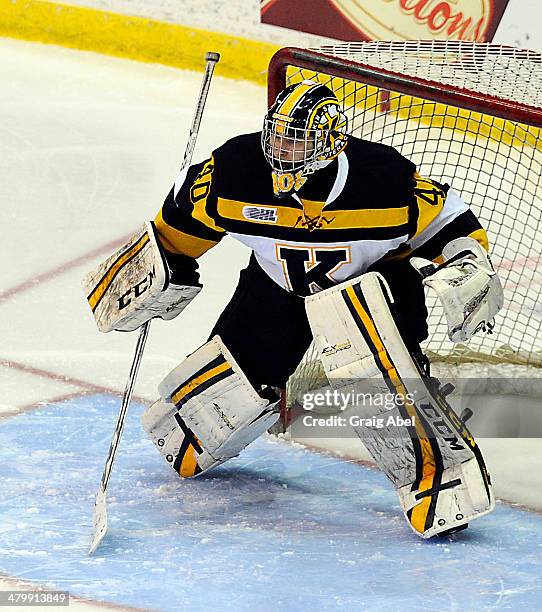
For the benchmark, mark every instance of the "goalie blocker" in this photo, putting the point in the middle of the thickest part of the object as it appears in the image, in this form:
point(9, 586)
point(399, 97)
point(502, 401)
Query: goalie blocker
point(135, 285)
point(434, 462)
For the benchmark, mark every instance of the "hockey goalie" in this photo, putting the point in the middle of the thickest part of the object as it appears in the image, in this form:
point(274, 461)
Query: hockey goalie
point(345, 235)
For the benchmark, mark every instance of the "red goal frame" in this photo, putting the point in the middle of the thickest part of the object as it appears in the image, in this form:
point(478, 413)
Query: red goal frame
point(386, 79)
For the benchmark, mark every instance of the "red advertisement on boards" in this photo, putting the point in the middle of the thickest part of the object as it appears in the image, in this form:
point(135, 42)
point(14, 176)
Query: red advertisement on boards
point(352, 20)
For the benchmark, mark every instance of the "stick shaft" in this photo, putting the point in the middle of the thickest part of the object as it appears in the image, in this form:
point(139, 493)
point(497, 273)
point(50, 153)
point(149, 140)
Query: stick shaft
point(211, 60)
point(126, 398)
point(100, 509)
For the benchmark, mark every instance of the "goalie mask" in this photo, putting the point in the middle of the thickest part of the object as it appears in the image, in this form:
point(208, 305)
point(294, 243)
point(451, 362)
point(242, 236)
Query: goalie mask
point(302, 132)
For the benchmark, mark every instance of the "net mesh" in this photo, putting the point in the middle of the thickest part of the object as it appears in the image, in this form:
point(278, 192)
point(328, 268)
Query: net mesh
point(494, 164)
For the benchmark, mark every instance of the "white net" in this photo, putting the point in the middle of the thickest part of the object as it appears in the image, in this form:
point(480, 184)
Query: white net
point(492, 156)
point(499, 71)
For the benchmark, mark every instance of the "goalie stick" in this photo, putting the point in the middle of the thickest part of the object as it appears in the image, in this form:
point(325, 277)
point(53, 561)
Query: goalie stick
point(100, 507)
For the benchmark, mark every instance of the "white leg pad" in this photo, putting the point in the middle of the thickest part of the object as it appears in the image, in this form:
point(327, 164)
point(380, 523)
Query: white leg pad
point(433, 461)
point(207, 409)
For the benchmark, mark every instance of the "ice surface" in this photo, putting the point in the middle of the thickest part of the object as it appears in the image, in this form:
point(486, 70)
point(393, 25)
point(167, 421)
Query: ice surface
point(89, 147)
point(278, 527)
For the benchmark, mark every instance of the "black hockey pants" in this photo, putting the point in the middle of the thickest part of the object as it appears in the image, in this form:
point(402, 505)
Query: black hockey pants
point(266, 328)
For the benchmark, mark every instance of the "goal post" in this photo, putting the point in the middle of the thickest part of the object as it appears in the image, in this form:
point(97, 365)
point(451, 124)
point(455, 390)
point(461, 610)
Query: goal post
point(467, 114)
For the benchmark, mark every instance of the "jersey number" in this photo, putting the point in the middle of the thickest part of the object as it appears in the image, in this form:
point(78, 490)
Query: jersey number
point(308, 270)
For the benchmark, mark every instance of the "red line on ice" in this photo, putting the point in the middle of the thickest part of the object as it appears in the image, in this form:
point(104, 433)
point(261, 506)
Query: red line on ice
point(39, 404)
point(69, 380)
point(32, 283)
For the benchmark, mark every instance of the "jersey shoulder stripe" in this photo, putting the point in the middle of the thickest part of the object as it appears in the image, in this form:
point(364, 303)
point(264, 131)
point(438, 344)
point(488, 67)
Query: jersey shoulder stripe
point(289, 217)
point(430, 197)
point(177, 241)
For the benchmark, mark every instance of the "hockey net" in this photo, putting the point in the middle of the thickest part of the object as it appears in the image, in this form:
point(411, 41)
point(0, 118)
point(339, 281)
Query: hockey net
point(467, 114)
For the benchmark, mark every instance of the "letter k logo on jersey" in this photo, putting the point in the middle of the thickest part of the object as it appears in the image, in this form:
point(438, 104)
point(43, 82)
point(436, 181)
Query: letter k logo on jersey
point(308, 269)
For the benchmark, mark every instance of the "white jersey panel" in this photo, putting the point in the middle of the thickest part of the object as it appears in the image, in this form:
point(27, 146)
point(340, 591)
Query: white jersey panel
point(453, 207)
point(360, 254)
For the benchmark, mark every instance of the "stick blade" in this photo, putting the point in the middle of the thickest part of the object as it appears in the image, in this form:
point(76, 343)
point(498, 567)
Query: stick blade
point(99, 520)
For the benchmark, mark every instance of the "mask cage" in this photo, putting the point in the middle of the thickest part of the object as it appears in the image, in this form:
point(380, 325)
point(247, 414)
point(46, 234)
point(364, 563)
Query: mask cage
point(290, 149)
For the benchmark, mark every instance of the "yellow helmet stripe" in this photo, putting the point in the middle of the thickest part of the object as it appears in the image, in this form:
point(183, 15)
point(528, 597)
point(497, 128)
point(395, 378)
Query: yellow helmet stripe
point(287, 107)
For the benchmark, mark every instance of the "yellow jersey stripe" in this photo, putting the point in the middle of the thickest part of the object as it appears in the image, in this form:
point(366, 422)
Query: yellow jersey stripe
point(480, 235)
point(336, 219)
point(199, 192)
point(99, 291)
point(430, 201)
point(196, 382)
point(312, 207)
point(175, 241)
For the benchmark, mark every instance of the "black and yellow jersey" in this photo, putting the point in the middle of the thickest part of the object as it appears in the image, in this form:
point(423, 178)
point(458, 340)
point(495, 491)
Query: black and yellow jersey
point(366, 205)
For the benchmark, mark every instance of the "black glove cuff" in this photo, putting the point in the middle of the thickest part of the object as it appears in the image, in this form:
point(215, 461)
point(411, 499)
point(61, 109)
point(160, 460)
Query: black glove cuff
point(182, 269)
